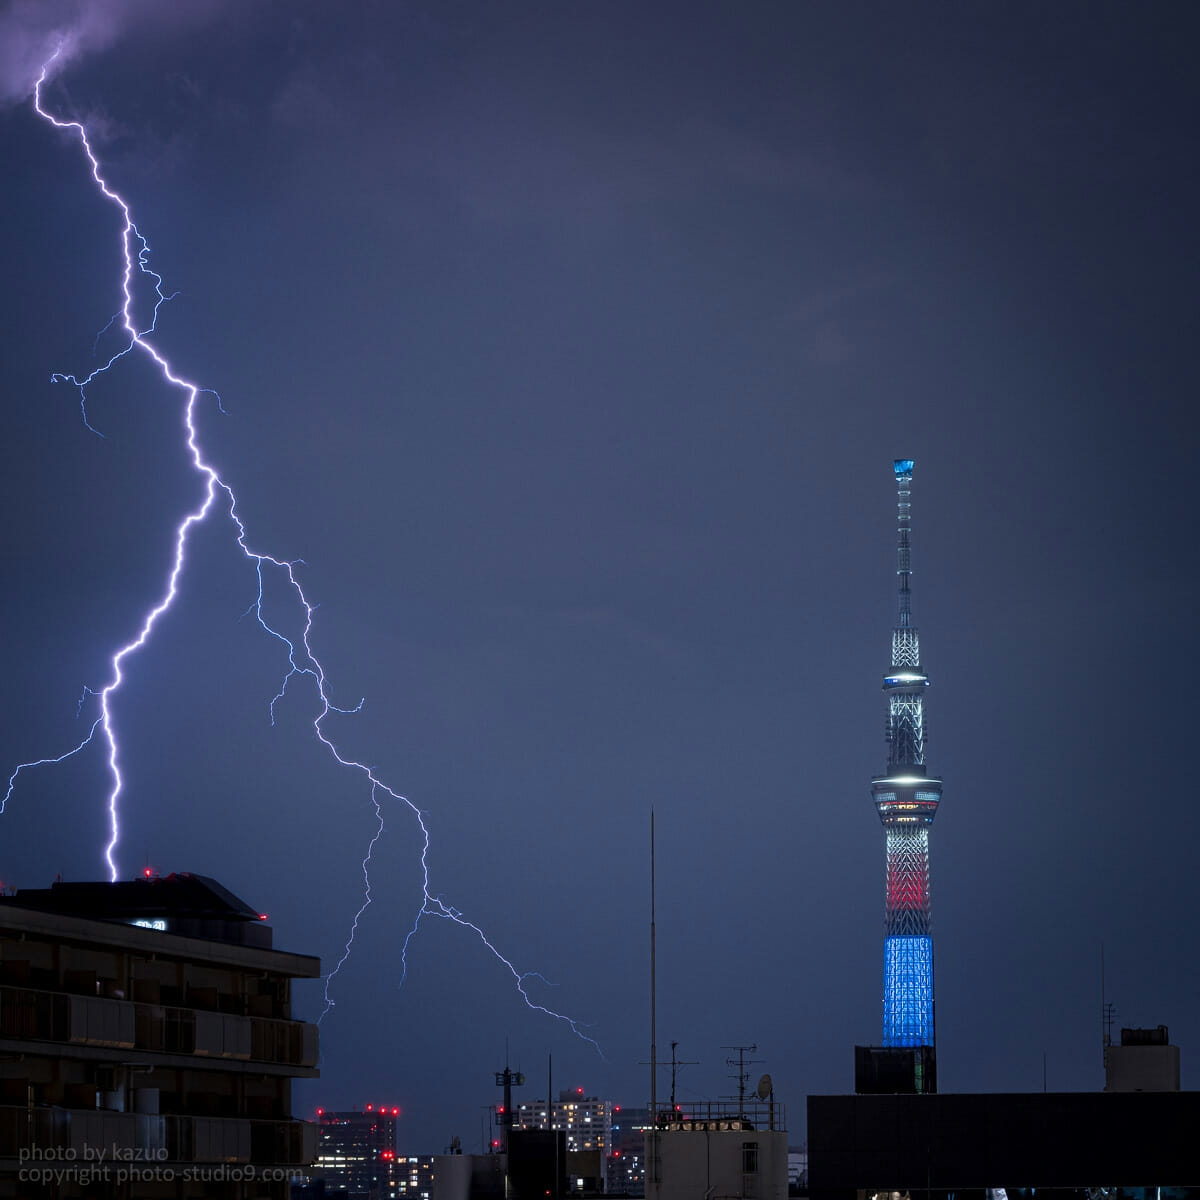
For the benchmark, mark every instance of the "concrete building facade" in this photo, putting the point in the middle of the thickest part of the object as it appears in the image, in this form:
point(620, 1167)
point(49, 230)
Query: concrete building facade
point(732, 1151)
point(1145, 1061)
point(147, 1046)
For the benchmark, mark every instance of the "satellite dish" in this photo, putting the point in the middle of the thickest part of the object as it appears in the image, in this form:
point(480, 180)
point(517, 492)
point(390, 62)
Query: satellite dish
point(765, 1087)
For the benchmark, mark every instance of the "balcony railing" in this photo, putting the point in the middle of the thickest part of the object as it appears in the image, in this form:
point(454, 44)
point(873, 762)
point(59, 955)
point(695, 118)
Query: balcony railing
point(58, 1134)
point(157, 1028)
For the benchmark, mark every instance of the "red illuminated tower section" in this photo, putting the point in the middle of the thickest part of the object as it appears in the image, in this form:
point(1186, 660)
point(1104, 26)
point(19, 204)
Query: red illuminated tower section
point(907, 798)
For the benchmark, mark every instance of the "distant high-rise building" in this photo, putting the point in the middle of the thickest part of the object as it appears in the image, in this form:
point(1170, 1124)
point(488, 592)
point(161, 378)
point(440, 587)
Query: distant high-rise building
point(414, 1176)
point(587, 1121)
point(356, 1153)
point(907, 799)
point(627, 1155)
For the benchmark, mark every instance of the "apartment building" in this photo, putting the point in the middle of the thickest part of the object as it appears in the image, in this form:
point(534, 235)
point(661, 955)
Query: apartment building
point(147, 1046)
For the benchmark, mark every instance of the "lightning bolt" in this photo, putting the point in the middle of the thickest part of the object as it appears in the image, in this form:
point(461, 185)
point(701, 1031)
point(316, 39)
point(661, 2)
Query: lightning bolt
point(301, 660)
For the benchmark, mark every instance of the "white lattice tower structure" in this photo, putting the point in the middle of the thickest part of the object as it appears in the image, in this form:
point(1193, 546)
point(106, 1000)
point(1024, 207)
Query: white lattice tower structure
point(907, 799)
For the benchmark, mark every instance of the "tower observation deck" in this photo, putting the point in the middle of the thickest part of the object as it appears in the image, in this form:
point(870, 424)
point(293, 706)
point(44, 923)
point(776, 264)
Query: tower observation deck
point(907, 799)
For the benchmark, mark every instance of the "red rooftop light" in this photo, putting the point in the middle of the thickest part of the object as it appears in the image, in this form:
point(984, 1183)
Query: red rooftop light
point(395, 1112)
point(263, 916)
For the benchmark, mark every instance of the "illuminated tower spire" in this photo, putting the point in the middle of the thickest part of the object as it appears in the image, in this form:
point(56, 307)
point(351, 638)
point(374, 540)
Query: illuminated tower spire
point(907, 799)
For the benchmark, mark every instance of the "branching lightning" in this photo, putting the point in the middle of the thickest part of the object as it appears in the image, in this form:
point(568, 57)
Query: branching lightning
point(301, 661)
point(329, 1003)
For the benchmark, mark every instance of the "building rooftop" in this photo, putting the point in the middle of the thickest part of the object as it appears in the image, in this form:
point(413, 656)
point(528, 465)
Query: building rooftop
point(181, 903)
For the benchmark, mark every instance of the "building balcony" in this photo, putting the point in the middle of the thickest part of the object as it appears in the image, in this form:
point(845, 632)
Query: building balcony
point(81, 1135)
point(29, 1014)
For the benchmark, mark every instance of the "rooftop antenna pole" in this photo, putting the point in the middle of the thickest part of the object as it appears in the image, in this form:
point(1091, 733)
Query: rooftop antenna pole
point(1107, 1013)
point(677, 1062)
point(742, 1074)
point(507, 1079)
point(652, 1155)
point(550, 1117)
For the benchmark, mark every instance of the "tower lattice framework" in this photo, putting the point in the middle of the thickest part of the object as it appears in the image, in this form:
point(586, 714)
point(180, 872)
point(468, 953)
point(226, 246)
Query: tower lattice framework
point(906, 798)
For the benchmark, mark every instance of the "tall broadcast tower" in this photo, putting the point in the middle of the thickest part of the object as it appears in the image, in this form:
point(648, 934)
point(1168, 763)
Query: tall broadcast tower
point(907, 799)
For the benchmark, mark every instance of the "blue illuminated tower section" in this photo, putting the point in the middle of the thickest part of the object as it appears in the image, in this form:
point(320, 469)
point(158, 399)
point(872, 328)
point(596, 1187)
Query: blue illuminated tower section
point(907, 800)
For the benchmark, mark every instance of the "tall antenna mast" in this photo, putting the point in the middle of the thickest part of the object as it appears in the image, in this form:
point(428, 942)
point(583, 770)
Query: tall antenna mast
point(652, 1140)
point(903, 469)
point(1103, 1020)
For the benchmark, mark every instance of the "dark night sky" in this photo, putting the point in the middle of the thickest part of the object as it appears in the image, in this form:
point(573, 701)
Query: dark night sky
point(570, 346)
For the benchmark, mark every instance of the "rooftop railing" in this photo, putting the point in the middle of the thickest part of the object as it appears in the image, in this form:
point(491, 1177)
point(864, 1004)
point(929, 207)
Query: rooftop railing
point(721, 1116)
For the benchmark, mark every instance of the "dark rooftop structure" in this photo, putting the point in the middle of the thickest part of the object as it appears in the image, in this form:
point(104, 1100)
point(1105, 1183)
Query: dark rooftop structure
point(179, 903)
point(150, 1023)
point(949, 1142)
